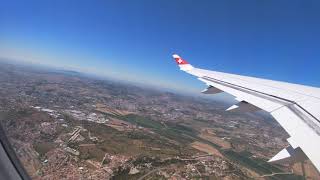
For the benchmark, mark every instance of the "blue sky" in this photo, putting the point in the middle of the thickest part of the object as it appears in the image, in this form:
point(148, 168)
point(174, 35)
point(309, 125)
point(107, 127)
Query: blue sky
point(134, 40)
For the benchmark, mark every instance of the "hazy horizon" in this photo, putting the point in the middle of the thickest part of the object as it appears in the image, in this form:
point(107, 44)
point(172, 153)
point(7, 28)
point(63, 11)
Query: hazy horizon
point(222, 98)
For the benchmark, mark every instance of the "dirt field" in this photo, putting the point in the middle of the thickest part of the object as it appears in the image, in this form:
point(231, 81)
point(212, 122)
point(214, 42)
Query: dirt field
point(119, 124)
point(310, 171)
point(209, 135)
point(205, 148)
point(102, 108)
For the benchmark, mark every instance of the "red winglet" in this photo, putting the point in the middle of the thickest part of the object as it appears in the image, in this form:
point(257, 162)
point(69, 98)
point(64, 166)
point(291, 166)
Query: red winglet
point(179, 60)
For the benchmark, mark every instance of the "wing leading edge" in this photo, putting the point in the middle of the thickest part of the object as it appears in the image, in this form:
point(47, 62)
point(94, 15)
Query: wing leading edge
point(295, 107)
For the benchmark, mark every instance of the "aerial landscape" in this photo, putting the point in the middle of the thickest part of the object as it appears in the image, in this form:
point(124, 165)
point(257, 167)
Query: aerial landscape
point(68, 125)
point(159, 90)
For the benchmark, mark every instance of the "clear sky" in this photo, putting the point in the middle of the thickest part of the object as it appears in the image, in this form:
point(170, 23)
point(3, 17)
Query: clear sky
point(134, 39)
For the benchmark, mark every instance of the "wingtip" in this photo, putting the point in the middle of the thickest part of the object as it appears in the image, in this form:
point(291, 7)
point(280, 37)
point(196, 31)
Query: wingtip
point(175, 56)
point(179, 60)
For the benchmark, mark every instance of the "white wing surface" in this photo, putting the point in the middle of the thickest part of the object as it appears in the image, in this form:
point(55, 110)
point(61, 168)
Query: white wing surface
point(295, 107)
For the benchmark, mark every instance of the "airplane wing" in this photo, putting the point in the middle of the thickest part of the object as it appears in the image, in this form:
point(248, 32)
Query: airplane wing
point(295, 107)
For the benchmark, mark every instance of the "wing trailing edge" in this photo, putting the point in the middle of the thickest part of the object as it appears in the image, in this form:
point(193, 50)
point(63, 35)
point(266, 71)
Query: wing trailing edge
point(211, 90)
point(244, 107)
point(289, 155)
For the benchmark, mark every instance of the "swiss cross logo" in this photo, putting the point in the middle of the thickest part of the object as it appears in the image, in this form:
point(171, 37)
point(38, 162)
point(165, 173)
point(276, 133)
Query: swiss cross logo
point(179, 60)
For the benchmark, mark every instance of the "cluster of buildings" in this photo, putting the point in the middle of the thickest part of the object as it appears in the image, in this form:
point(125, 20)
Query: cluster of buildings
point(93, 117)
